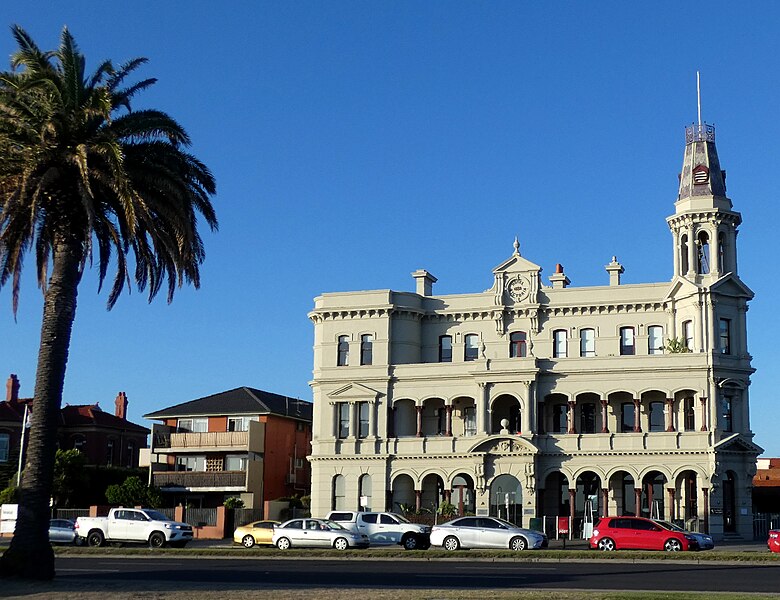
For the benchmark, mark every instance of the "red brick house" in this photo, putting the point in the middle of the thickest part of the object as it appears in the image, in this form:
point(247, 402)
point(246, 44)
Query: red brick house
point(243, 442)
point(106, 439)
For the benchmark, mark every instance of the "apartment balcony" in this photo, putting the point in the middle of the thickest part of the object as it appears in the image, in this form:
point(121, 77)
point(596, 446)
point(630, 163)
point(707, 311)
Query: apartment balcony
point(211, 481)
point(253, 440)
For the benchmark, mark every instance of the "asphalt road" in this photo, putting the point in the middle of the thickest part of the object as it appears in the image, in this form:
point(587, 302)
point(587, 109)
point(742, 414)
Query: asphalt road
point(258, 573)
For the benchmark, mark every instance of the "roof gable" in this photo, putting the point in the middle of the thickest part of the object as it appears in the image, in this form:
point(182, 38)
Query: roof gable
point(730, 285)
point(735, 443)
point(354, 391)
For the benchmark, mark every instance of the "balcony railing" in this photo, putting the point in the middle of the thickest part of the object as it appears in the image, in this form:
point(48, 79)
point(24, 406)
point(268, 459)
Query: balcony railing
point(211, 439)
point(200, 479)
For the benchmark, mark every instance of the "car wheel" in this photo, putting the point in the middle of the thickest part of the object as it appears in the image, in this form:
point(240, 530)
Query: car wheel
point(341, 544)
point(95, 539)
point(606, 544)
point(673, 545)
point(410, 542)
point(157, 540)
point(283, 543)
point(518, 543)
point(451, 543)
point(248, 541)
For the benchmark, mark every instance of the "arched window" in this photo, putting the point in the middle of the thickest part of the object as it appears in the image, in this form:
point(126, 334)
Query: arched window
point(587, 342)
point(471, 350)
point(364, 501)
point(627, 345)
point(366, 349)
point(689, 418)
point(721, 252)
point(343, 358)
point(655, 339)
point(688, 334)
point(339, 497)
point(559, 343)
point(684, 254)
point(703, 253)
point(517, 345)
point(445, 348)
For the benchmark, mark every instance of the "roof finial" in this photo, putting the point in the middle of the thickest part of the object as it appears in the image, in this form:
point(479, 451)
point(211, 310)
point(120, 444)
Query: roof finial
point(698, 96)
point(517, 246)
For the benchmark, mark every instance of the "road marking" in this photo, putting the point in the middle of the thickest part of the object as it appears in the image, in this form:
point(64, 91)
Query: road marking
point(90, 570)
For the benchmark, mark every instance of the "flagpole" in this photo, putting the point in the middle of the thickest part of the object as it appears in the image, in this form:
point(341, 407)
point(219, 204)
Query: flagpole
point(698, 97)
point(21, 447)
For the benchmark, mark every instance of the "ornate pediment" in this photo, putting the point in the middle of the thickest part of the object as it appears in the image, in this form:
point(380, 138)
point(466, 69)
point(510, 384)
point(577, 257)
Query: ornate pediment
point(729, 285)
point(505, 445)
point(355, 391)
point(735, 443)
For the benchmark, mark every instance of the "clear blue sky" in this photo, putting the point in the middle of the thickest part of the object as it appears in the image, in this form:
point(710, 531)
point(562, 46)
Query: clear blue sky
point(354, 142)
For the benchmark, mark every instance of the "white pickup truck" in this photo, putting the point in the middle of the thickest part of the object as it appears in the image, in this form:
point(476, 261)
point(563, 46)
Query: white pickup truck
point(384, 528)
point(135, 525)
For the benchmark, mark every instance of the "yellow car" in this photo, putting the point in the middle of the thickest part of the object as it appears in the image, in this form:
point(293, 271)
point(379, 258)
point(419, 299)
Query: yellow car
point(259, 532)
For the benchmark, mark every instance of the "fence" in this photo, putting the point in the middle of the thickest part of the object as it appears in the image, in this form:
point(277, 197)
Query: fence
point(168, 512)
point(70, 513)
point(763, 522)
point(242, 516)
point(201, 516)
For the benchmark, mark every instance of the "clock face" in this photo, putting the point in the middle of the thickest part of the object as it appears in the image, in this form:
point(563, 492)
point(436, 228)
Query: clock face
point(518, 288)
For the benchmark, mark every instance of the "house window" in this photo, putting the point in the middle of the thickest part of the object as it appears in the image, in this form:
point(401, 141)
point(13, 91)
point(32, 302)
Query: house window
point(110, 453)
point(560, 418)
point(689, 418)
point(517, 345)
point(363, 408)
point(470, 420)
point(627, 347)
point(79, 442)
point(559, 343)
point(588, 418)
point(725, 336)
point(192, 425)
point(237, 424)
point(235, 462)
point(343, 420)
point(130, 458)
point(587, 342)
point(627, 417)
point(726, 412)
point(343, 358)
point(365, 490)
point(445, 348)
point(441, 415)
point(688, 334)
point(471, 351)
point(366, 349)
point(656, 416)
point(655, 339)
point(191, 463)
point(5, 443)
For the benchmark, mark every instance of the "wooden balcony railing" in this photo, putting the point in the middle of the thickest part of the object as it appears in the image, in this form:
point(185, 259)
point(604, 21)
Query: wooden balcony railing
point(199, 479)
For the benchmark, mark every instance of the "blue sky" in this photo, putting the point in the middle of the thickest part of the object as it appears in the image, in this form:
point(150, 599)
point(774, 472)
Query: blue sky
point(355, 142)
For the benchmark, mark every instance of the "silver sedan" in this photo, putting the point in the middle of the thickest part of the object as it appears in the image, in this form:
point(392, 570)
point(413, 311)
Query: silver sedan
point(316, 533)
point(485, 532)
point(62, 531)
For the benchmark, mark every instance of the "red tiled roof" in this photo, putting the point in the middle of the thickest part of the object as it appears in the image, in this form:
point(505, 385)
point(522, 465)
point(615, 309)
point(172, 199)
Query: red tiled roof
point(93, 415)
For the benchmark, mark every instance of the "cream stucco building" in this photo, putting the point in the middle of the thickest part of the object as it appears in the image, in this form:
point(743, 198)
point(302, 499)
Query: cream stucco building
point(530, 400)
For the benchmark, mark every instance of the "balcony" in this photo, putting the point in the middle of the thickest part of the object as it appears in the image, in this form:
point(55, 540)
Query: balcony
point(253, 440)
point(200, 480)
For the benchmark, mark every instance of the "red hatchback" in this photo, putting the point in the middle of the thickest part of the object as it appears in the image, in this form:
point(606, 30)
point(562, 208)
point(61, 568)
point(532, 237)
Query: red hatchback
point(637, 533)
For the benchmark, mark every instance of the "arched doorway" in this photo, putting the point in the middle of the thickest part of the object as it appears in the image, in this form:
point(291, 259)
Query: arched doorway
point(687, 498)
point(365, 492)
point(462, 496)
point(403, 494)
point(588, 497)
point(729, 502)
point(505, 407)
point(432, 492)
point(404, 418)
point(621, 485)
point(506, 499)
point(653, 495)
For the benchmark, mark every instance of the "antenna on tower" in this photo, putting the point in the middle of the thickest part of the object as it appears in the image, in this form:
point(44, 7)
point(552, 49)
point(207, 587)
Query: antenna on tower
point(698, 96)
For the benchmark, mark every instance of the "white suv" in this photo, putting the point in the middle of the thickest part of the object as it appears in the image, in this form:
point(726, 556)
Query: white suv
point(384, 529)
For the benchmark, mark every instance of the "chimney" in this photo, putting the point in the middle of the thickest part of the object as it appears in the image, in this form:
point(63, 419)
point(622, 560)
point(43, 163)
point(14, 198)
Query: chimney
point(615, 270)
point(121, 405)
point(425, 282)
point(12, 390)
point(559, 279)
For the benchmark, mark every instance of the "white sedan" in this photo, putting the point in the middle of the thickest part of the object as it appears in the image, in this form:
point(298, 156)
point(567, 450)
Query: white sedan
point(316, 533)
point(485, 532)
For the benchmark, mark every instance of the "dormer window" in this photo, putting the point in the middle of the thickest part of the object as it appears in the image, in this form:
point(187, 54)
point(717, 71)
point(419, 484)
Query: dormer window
point(701, 175)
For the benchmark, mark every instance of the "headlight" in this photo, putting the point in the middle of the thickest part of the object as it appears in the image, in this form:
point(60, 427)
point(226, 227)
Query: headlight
point(168, 526)
point(595, 532)
point(690, 538)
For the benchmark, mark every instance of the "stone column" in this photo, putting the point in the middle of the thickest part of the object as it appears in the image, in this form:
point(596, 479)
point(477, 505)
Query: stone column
point(706, 494)
point(604, 405)
point(604, 502)
point(419, 420)
point(525, 412)
point(448, 496)
point(572, 500)
point(570, 417)
point(670, 414)
point(448, 410)
point(418, 500)
point(650, 500)
point(703, 401)
point(354, 425)
point(671, 511)
point(637, 415)
point(638, 501)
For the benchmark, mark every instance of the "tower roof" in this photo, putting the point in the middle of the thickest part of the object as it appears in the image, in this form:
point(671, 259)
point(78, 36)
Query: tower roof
point(702, 182)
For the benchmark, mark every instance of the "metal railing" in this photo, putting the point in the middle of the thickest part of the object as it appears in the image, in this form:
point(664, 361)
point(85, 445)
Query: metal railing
point(199, 517)
point(242, 516)
point(70, 513)
point(199, 479)
point(763, 522)
point(210, 439)
point(700, 133)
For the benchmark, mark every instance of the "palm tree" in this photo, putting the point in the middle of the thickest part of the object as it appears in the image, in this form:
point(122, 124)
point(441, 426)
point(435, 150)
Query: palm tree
point(80, 171)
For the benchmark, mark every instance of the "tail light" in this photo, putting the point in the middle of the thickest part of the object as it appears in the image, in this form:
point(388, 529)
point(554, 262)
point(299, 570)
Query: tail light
point(774, 534)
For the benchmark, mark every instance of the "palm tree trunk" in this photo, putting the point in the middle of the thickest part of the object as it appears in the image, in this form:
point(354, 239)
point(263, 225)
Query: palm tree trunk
point(30, 555)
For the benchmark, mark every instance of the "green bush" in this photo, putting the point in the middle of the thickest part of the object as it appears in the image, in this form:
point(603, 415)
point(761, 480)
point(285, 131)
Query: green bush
point(133, 492)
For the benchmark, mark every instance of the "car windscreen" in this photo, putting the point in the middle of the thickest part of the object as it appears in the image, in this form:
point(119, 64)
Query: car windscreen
point(401, 518)
point(156, 516)
point(669, 526)
point(333, 525)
